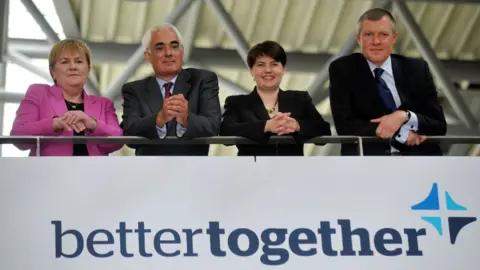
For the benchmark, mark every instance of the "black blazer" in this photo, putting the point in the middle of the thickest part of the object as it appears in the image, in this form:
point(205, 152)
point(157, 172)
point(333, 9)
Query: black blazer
point(142, 100)
point(355, 100)
point(246, 116)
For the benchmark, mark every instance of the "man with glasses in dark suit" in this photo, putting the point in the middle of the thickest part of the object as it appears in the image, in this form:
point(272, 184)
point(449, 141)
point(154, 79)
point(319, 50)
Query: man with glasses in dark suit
point(377, 93)
point(174, 102)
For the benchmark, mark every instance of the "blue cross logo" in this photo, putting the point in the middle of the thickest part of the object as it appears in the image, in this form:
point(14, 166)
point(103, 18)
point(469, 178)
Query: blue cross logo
point(455, 224)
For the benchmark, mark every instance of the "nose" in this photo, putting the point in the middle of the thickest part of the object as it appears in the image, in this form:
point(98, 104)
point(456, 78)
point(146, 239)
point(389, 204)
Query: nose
point(168, 51)
point(72, 65)
point(376, 39)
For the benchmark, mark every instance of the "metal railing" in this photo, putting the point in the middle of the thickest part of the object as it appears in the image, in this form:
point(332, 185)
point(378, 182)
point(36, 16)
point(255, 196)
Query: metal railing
point(225, 140)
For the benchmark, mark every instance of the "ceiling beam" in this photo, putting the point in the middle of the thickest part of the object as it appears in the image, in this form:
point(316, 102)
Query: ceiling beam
point(42, 22)
point(71, 29)
point(225, 58)
point(189, 34)
point(26, 63)
point(447, 1)
point(67, 18)
point(4, 12)
point(137, 58)
point(438, 70)
point(441, 1)
point(231, 28)
point(317, 88)
point(52, 37)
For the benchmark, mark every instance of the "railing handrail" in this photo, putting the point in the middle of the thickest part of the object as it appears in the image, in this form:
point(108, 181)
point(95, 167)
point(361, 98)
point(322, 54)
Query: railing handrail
point(226, 140)
point(229, 140)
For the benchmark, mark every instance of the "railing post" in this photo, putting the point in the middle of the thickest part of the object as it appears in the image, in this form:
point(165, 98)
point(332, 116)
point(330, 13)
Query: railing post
point(360, 146)
point(38, 147)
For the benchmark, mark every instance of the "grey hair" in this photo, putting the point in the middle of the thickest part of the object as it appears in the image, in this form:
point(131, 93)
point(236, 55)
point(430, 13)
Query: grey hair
point(147, 37)
point(375, 14)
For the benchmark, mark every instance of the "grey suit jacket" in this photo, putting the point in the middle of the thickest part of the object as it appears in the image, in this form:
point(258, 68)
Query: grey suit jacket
point(142, 100)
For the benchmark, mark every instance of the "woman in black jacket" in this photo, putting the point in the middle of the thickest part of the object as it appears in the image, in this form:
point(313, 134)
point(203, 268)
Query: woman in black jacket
point(269, 110)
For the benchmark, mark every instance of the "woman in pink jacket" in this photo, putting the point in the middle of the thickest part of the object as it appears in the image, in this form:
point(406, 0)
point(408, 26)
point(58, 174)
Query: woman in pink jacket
point(64, 108)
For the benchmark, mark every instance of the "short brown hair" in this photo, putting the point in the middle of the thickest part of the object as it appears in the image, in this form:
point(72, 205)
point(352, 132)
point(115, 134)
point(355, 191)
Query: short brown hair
point(267, 48)
point(70, 45)
point(375, 14)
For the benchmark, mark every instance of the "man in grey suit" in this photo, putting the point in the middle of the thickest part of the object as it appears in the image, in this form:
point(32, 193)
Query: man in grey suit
point(175, 102)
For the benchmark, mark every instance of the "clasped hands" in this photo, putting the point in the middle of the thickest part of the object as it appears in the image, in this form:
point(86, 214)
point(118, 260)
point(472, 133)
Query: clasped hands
point(391, 123)
point(74, 120)
point(282, 124)
point(176, 107)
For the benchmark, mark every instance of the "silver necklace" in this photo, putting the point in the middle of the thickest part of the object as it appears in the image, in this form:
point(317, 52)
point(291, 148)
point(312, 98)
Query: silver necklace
point(73, 105)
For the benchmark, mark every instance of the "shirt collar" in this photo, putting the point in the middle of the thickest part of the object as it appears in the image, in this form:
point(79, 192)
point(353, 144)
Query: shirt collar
point(386, 66)
point(162, 82)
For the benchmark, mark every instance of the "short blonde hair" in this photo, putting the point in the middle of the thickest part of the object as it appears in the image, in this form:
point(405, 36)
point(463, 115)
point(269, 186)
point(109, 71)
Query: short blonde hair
point(376, 14)
point(74, 45)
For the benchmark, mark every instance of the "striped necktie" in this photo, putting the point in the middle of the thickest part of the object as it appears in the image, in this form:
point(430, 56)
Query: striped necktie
point(168, 86)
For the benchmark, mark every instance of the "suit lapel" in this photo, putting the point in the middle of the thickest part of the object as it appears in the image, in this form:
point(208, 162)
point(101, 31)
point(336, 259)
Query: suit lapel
point(181, 84)
point(399, 80)
point(57, 100)
point(285, 104)
point(89, 106)
point(257, 106)
point(60, 107)
point(154, 95)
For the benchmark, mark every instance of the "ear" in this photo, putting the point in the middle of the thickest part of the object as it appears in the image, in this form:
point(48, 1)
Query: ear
point(182, 54)
point(51, 74)
point(146, 54)
point(394, 37)
point(359, 40)
point(252, 73)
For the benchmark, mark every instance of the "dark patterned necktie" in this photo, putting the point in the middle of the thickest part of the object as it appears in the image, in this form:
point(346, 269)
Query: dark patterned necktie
point(167, 89)
point(384, 91)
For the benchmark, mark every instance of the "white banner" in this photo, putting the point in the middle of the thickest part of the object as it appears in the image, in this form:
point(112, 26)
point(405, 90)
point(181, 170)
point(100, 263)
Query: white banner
point(235, 213)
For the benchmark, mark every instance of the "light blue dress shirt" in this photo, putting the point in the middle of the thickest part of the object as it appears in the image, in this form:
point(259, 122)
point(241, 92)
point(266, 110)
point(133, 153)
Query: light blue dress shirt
point(387, 76)
point(162, 131)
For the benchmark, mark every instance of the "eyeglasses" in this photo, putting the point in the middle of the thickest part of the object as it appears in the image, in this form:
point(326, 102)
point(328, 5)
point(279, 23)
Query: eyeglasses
point(173, 46)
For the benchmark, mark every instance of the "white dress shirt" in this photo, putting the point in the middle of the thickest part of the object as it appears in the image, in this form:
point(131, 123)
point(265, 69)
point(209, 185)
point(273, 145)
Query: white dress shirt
point(387, 76)
point(162, 131)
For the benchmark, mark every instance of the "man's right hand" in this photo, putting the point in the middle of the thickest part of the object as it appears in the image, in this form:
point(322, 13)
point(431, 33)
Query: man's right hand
point(415, 139)
point(164, 115)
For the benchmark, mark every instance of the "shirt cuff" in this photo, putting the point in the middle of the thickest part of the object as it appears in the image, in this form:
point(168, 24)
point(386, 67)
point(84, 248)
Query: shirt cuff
point(180, 130)
point(412, 124)
point(402, 135)
point(162, 132)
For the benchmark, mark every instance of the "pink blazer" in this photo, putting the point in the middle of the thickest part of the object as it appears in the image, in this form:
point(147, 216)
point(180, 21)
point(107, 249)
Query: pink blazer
point(43, 102)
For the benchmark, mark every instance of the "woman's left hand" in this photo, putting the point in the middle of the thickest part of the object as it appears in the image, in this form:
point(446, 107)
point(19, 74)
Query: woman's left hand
point(73, 117)
point(291, 126)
